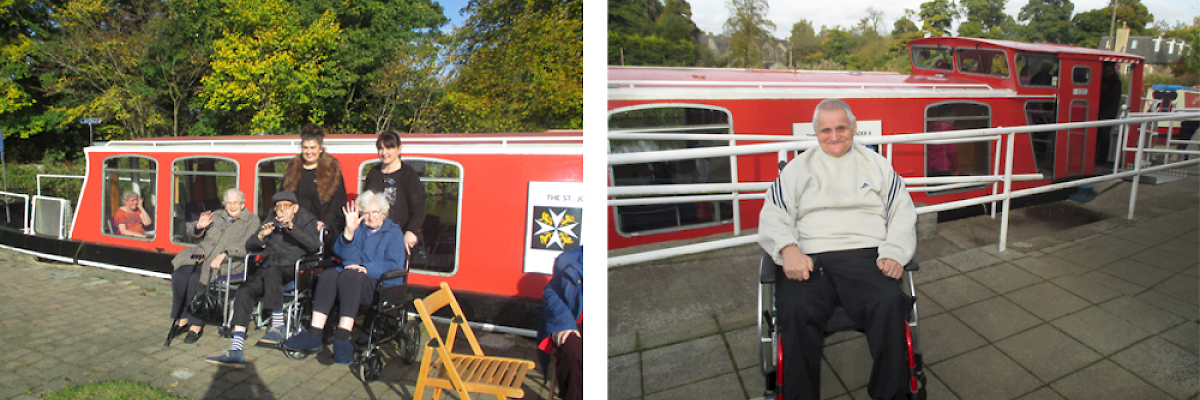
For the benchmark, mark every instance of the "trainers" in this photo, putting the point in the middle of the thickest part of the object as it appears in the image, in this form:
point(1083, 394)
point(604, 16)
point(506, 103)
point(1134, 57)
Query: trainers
point(273, 337)
point(192, 337)
point(343, 352)
point(303, 341)
point(232, 359)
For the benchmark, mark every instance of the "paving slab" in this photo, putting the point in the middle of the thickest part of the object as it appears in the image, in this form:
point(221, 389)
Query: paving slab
point(1136, 272)
point(753, 382)
point(1115, 283)
point(1100, 330)
point(1165, 365)
point(956, 291)
point(726, 386)
point(1171, 304)
point(1165, 260)
point(986, 374)
point(1106, 380)
point(1145, 316)
point(1115, 245)
point(971, 260)
point(1086, 256)
point(943, 336)
point(1047, 352)
point(1038, 266)
point(1047, 301)
point(1087, 289)
point(744, 344)
point(684, 363)
point(1044, 393)
point(1186, 335)
point(1180, 287)
point(851, 361)
point(625, 377)
point(996, 318)
point(933, 270)
point(1137, 234)
point(1004, 278)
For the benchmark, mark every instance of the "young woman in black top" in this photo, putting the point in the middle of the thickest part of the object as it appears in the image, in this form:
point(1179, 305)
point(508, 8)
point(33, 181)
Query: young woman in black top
point(401, 186)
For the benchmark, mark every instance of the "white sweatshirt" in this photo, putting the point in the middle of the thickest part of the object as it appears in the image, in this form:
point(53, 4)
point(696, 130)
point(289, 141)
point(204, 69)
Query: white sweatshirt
point(823, 203)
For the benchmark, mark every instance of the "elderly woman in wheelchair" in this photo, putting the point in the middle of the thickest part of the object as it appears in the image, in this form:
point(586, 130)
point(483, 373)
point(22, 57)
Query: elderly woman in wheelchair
point(224, 233)
point(370, 246)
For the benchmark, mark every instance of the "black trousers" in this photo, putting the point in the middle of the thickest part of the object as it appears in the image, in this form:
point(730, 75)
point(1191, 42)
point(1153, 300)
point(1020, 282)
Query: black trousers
point(877, 305)
point(267, 284)
point(351, 289)
point(185, 284)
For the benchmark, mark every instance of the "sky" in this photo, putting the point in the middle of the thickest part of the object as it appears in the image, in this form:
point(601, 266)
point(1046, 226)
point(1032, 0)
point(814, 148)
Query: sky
point(450, 8)
point(710, 15)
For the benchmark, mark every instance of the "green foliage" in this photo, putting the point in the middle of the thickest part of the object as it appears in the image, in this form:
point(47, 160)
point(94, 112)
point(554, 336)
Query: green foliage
point(1049, 21)
point(22, 178)
point(937, 16)
point(748, 29)
point(650, 50)
point(521, 68)
point(805, 44)
point(1187, 67)
point(1091, 25)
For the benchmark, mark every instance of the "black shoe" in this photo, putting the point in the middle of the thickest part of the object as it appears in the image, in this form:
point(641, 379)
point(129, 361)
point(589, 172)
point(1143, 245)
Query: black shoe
point(192, 337)
point(176, 330)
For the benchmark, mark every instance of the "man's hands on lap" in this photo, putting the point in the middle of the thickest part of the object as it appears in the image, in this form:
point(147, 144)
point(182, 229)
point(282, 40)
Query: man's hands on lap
point(796, 265)
point(890, 267)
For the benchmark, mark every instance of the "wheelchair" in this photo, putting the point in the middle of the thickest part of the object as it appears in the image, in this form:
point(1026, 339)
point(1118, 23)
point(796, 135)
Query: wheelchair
point(771, 348)
point(389, 320)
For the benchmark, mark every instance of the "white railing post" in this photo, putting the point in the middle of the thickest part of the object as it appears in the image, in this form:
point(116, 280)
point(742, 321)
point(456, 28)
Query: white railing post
point(996, 171)
point(1008, 166)
point(1137, 168)
point(737, 208)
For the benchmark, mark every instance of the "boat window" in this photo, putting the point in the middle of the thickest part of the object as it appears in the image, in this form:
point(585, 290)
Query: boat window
point(197, 186)
point(437, 250)
point(129, 177)
point(1081, 75)
point(984, 62)
point(635, 220)
point(268, 177)
point(935, 58)
point(1039, 112)
point(1037, 70)
point(957, 159)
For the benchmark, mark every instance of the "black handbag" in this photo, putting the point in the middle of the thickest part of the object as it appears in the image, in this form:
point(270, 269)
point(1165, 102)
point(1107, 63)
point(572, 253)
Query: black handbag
point(207, 306)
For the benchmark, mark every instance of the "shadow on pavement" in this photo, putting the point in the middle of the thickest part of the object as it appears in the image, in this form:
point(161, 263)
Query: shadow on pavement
point(238, 383)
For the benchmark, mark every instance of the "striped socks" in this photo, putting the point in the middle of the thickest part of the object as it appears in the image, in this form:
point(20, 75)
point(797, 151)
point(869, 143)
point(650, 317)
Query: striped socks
point(277, 319)
point(239, 339)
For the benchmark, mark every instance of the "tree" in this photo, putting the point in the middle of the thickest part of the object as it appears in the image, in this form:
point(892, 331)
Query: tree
point(804, 42)
point(984, 18)
point(838, 45)
point(1187, 67)
point(748, 29)
point(937, 16)
point(675, 23)
point(23, 108)
point(1094, 24)
point(904, 26)
point(518, 67)
point(273, 66)
point(1049, 21)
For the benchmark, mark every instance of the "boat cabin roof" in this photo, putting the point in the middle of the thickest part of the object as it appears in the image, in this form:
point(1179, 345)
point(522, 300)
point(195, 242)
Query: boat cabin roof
point(567, 141)
point(1105, 55)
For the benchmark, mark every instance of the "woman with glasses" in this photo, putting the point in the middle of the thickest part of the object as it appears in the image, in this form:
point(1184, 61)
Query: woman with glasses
point(400, 185)
point(365, 247)
point(223, 235)
point(316, 179)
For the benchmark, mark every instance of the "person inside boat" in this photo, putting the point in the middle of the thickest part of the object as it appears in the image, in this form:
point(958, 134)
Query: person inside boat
point(840, 222)
point(223, 236)
point(400, 185)
point(366, 252)
point(290, 232)
point(316, 179)
point(561, 331)
point(131, 219)
point(1044, 76)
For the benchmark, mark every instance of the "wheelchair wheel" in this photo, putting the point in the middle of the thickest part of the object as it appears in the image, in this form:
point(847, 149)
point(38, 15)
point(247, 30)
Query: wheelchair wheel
point(408, 342)
point(369, 366)
point(298, 355)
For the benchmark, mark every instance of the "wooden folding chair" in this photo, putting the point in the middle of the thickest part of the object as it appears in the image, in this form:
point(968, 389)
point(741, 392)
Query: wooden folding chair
point(463, 373)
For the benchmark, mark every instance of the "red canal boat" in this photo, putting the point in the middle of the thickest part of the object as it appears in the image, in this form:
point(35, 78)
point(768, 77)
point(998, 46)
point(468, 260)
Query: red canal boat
point(482, 191)
point(957, 83)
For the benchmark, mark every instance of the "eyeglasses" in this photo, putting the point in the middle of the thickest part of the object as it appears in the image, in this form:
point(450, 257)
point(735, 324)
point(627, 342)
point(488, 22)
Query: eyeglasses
point(282, 208)
point(235, 202)
point(372, 213)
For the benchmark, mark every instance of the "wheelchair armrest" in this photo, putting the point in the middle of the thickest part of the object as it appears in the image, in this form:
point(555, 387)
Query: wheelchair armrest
point(396, 273)
point(912, 266)
point(316, 261)
point(766, 269)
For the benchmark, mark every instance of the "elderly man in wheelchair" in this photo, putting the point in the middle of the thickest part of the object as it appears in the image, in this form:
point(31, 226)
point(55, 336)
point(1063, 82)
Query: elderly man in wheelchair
point(841, 225)
point(372, 251)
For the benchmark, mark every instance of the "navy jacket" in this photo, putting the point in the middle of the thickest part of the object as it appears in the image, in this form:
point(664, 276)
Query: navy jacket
point(563, 296)
point(380, 252)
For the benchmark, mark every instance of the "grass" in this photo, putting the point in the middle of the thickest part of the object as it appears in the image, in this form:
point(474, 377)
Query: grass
point(118, 390)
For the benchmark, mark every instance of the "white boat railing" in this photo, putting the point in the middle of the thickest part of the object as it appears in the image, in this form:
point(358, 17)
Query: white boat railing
point(25, 223)
point(792, 143)
point(40, 176)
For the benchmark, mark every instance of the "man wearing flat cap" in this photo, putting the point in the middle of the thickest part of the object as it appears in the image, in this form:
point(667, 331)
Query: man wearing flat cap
point(288, 234)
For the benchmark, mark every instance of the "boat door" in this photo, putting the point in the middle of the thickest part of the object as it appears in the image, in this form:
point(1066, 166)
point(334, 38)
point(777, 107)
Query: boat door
point(1078, 85)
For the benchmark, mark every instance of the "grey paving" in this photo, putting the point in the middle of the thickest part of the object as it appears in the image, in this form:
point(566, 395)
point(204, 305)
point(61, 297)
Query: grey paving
point(70, 325)
point(1109, 309)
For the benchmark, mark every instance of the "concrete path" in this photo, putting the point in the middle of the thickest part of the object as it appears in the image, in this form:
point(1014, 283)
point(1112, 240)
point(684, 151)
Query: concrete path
point(70, 325)
point(1085, 304)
